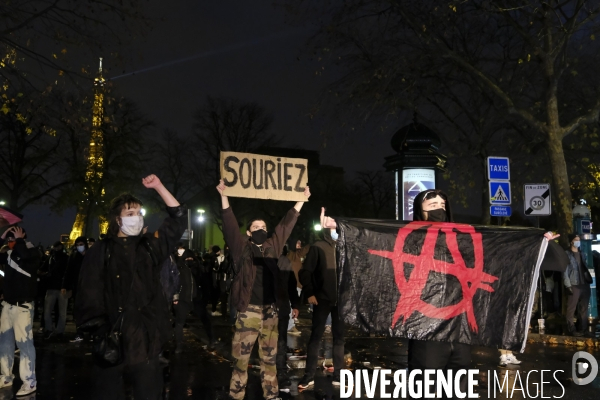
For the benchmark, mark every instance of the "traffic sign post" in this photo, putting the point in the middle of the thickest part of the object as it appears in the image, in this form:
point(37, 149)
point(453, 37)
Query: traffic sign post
point(499, 193)
point(498, 173)
point(537, 202)
point(500, 211)
point(498, 169)
point(537, 199)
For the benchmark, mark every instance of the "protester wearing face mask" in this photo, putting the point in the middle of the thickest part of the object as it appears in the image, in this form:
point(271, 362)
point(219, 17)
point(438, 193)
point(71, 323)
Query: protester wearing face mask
point(319, 284)
point(16, 322)
point(54, 270)
point(119, 281)
point(577, 287)
point(72, 276)
point(432, 205)
point(255, 292)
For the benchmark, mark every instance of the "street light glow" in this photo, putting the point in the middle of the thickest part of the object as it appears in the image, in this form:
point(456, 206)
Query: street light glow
point(201, 218)
point(318, 227)
point(2, 203)
point(201, 211)
point(143, 211)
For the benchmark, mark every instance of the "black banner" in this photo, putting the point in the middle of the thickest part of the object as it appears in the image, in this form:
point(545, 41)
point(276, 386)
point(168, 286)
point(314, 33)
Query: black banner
point(439, 281)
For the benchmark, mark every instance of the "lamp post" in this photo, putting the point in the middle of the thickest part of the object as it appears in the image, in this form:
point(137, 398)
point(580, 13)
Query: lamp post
point(201, 220)
point(416, 164)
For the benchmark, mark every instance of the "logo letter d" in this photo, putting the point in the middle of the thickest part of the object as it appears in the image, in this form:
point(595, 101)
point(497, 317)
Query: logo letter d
point(580, 368)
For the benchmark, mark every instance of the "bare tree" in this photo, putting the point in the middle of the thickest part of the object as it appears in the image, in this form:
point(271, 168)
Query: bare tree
point(173, 156)
point(529, 56)
point(375, 190)
point(46, 32)
point(227, 125)
point(28, 155)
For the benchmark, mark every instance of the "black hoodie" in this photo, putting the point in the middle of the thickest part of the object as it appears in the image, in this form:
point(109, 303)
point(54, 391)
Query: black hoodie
point(20, 279)
point(187, 270)
point(418, 204)
point(318, 274)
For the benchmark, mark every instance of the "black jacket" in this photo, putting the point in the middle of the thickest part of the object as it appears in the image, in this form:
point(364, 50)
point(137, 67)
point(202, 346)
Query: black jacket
point(318, 275)
point(287, 285)
point(73, 269)
point(54, 270)
point(187, 269)
point(20, 274)
point(131, 277)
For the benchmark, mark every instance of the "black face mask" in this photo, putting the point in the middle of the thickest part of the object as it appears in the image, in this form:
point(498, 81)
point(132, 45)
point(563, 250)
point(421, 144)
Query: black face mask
point(259, 236)
point(438, 215)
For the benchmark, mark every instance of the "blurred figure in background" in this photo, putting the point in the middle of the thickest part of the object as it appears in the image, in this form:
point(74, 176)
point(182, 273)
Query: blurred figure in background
point(72, 276)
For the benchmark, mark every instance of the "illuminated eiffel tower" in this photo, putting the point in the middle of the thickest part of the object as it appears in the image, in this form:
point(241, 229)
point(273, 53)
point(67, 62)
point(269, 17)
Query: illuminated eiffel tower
point(93, 190)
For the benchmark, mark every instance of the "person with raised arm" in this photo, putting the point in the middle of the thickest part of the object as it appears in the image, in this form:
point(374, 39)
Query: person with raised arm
point(120, 291)
point(256, 292)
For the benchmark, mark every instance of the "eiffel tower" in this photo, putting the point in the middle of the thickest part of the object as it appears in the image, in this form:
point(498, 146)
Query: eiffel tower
point(93, 190)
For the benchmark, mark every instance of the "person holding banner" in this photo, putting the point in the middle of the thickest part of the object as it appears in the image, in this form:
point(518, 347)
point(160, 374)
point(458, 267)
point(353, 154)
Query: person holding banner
point(442, 354)
point(255, 292)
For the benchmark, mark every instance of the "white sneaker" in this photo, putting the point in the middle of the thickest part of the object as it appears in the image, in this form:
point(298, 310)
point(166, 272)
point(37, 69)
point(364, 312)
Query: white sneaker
point(511, 359)
point(6, 382)
point(77, 339)
point(27, 388)
point(216, 314)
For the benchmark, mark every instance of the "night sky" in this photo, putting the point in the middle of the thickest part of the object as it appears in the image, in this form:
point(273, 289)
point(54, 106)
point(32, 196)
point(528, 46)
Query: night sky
point(235, 49)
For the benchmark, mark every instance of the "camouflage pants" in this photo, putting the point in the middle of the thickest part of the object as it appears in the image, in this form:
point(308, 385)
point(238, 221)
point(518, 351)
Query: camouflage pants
point(258, 322)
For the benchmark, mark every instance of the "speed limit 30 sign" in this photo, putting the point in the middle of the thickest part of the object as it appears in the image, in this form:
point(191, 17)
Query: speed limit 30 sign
point(537, 199)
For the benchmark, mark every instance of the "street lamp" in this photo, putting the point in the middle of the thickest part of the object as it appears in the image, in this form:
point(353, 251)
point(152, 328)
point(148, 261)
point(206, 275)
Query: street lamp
point(2, 203)
point(201, 216)
point(318, 227)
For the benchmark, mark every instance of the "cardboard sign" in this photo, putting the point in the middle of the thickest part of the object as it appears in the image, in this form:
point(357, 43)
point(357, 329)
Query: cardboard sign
point(264, 177)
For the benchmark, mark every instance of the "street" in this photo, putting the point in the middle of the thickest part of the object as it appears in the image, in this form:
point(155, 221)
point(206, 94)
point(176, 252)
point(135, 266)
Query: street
point(65, 370)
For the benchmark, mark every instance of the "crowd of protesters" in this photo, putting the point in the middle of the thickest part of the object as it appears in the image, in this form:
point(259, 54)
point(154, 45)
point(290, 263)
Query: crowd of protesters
point(257, 284)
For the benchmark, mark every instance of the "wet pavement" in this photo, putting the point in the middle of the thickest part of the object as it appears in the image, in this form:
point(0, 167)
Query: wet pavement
point(65, 370)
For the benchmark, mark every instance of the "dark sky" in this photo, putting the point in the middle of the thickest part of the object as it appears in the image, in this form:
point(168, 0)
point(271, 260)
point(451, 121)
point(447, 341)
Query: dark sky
point(230, 48)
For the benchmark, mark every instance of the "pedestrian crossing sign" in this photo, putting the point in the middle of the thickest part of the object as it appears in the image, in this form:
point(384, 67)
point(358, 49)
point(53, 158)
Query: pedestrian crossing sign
point(499, 192)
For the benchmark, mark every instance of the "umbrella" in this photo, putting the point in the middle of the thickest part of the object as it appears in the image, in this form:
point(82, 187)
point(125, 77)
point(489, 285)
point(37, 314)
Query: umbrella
point(9, 217)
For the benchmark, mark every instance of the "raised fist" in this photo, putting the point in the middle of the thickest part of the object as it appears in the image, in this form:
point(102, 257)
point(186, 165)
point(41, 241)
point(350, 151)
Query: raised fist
point(151, 181)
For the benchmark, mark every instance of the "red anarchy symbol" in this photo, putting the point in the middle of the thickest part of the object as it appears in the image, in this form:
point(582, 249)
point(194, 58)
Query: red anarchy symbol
point(411, 289)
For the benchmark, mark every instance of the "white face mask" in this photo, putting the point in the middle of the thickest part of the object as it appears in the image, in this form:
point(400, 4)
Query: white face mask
point(132, 226)
point(81, 249)
point(180, 252)
point(334, 234)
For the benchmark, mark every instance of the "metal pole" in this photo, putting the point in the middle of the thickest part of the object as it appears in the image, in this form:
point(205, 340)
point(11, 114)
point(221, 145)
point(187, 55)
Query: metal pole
point(537, 225)
point(398, 198)
point(189, 229)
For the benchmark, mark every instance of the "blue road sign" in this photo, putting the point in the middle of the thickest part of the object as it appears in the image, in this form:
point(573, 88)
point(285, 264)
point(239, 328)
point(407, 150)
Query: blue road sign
point(498, 169)
point(499, 193)
point(500, 211)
